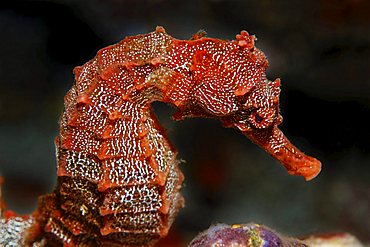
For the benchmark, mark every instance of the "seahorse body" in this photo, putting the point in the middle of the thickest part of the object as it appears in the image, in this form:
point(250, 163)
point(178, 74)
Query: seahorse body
point(118, 177)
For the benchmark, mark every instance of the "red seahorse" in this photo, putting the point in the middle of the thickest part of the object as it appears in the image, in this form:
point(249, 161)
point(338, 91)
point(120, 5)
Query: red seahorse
point(118, 177)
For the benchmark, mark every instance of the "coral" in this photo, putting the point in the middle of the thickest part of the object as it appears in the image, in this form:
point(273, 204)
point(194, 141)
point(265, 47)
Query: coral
point(255, 235)
point(247, 235)
point(118, 176)
point(333, 240)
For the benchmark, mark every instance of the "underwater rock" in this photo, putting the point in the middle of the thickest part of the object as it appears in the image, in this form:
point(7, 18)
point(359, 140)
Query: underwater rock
point(255, 235)
point(333, 240)
point(244, 235)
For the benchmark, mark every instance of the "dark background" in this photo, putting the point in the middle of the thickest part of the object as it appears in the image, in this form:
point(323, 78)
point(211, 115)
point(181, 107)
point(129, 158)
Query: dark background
point(320, 50)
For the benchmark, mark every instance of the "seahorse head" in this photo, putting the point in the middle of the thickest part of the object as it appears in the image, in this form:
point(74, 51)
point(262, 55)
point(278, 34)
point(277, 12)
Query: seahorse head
point(229, 83)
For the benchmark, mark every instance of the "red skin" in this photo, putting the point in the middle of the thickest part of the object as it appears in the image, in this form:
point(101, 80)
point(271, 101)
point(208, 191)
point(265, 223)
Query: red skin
point(244, 95)
point(112, 154)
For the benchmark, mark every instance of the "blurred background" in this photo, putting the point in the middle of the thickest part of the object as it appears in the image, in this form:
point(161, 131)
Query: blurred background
point(319, 49)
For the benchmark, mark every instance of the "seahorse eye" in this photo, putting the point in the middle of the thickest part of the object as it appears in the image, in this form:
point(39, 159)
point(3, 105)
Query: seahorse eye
point(258, 118)
point(262, 117)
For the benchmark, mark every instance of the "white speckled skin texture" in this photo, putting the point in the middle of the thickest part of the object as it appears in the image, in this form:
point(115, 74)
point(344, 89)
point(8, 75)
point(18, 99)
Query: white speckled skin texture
point(118, 177)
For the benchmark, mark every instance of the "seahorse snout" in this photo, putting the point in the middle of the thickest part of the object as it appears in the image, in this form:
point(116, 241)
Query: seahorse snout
point(273, 141)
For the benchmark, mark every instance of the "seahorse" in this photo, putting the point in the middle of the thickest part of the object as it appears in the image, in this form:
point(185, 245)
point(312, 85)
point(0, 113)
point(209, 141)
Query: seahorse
point(118, 176)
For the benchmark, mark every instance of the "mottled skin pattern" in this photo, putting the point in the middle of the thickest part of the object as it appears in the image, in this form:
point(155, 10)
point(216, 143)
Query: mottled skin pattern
point(243, 235)
point(256, 235)
point(118, 177)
